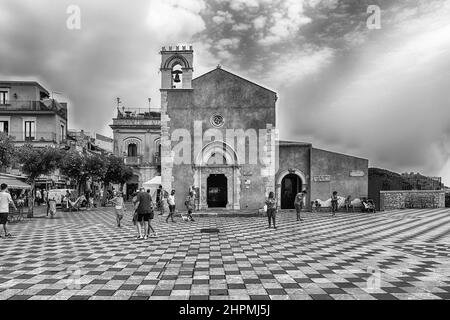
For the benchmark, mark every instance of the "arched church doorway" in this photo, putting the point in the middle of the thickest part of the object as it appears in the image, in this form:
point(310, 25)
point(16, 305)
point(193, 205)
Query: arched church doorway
point(290, 186)
point(217, 191)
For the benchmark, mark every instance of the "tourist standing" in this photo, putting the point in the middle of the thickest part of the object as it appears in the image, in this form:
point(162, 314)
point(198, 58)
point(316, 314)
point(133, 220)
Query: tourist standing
point(299, 203)
point(5, 201)
point(271, 204)
point(38, 197)
point(171, 202)
point(334, 203)
point(51, 204)
point(119, 208)
point(189, 203)
point(164, 203)
point(143, 206)
point(159, 195)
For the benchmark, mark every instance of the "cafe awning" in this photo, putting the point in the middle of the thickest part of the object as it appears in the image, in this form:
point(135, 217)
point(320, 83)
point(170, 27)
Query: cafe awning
point(14, 183)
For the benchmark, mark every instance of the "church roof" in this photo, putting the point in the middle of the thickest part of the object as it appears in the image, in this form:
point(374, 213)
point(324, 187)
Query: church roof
point(293, 143)
point(219, 69)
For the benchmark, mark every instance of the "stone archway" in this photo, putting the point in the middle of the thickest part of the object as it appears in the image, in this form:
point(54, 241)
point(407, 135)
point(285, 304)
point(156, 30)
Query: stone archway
point(289, 173)
point(229, 168)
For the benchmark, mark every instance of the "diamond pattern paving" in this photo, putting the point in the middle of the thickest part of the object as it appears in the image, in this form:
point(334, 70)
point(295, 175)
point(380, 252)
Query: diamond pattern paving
point(393, 255)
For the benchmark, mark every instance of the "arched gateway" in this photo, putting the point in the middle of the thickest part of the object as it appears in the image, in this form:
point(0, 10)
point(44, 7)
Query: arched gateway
point(217, 173)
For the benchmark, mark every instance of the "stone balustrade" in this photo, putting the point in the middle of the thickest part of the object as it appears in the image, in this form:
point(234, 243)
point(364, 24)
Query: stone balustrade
point(406, 199)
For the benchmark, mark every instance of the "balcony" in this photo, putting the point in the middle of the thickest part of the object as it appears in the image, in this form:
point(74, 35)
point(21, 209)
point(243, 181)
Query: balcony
point(33, 106)
point(139, 161)
point(39, 136)
point(138, 113)
point(133, 161)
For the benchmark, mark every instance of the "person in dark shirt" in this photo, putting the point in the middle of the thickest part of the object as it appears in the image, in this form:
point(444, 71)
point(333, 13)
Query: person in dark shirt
point(144, 208)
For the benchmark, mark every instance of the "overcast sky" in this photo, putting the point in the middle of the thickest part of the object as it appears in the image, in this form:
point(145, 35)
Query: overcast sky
point(380, 94)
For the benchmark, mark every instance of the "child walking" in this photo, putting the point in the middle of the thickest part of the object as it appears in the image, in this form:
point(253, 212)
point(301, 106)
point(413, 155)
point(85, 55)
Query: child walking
point(119, 208)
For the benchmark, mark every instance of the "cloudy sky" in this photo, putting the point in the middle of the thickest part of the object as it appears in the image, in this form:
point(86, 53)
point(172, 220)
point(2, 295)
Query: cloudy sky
point(382, 94)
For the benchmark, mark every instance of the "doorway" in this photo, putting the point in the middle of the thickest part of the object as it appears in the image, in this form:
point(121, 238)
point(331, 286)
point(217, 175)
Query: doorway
point(290, 186)
point(217, 191)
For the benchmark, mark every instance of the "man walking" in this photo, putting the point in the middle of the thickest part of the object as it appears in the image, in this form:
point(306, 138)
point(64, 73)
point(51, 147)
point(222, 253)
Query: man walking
point(5, 200)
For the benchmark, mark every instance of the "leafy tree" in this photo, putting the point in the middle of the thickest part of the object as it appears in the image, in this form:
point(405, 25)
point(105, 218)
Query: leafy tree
point(36, 162)
point(6, 150)
point(72, 166)
point(117, 172)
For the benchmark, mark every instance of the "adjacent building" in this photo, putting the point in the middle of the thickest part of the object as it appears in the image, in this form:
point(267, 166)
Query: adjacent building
point(29, 115)
point(137, 139)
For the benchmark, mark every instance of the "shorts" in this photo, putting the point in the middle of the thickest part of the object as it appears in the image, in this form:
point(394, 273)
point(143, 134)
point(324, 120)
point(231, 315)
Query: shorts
point(3, 218)
point(143, 217)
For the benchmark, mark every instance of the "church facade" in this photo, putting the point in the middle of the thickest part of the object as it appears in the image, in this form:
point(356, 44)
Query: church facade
point(219, 135)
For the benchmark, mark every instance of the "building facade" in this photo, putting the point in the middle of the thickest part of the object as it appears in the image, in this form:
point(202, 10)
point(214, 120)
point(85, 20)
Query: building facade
point(228, 120)
point(217, 133)
point(137, 136)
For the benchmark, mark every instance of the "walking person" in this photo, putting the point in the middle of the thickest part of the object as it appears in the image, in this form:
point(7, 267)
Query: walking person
point(5, 201)
point(334, 203)
point(171, 202)
point(271, 204)
point(119, 207)
point(143, 206)
point(299, 202)
point(150, 230)
point(164, 201)
point(52, 206)
point(189, 203)
point(159, 196)
point(38, 197)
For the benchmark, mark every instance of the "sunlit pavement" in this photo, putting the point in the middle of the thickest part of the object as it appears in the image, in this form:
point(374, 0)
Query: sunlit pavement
point(83, 255)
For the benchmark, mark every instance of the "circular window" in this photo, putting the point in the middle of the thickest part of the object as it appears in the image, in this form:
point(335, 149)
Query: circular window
point(217, 120)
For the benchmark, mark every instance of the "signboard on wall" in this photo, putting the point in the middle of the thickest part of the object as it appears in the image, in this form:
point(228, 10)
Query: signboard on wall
point(322, 178)
point(356, 173)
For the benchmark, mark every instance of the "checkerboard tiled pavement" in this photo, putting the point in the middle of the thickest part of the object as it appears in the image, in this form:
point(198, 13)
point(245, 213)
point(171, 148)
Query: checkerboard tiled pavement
point(392, 255)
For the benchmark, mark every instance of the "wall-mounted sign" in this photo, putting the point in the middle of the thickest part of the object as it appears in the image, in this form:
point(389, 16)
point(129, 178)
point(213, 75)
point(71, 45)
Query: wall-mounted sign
point(322, 178)
point(247, 173)
point(356, 173)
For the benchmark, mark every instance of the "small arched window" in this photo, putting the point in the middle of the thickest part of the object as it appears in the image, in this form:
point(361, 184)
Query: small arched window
point(132, 150)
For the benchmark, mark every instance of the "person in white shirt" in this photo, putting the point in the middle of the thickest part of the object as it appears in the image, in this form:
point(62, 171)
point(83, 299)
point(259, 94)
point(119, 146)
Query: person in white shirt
point(5, 200)
point(171, 202)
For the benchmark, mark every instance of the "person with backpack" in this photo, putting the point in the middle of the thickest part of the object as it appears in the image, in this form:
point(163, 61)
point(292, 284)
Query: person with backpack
point(271, 204)
point(189, 203)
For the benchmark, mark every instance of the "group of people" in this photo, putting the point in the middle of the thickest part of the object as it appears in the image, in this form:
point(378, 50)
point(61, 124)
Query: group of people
point(144, 209)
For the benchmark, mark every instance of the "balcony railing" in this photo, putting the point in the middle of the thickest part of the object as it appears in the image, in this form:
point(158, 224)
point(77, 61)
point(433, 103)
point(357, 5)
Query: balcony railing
point(139, 160)
point(29, 105)
point(38, 136)
point(138, 113)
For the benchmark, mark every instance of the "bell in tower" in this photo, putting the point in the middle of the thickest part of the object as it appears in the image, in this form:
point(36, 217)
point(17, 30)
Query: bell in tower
point(176, 67)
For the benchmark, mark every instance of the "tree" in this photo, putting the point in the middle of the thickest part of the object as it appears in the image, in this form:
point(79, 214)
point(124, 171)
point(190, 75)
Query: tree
point(116, 172)
point(72, 166)
point(6, 150)
point(36, 162)
point(81, 167)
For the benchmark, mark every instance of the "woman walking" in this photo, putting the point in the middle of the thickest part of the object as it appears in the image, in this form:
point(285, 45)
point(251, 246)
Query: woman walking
point(119, 207)
point(334, 203)
point(271, 204)
point(171, 202)
point(52, 206)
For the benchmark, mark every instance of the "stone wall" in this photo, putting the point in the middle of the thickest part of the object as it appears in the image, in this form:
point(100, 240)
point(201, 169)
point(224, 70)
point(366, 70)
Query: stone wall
point(404, 199)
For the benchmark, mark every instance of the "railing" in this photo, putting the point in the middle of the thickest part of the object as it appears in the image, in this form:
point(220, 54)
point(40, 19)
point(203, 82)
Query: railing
point(29, 105)
point(38, 136)
point(138, 113)
point(139, 160)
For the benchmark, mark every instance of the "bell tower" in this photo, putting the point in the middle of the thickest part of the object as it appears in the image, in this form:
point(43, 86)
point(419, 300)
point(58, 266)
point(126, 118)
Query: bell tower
point(177, 67)
point(176, 74)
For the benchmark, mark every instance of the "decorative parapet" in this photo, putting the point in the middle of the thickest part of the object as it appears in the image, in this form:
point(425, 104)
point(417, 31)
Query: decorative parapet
point(407, 199)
